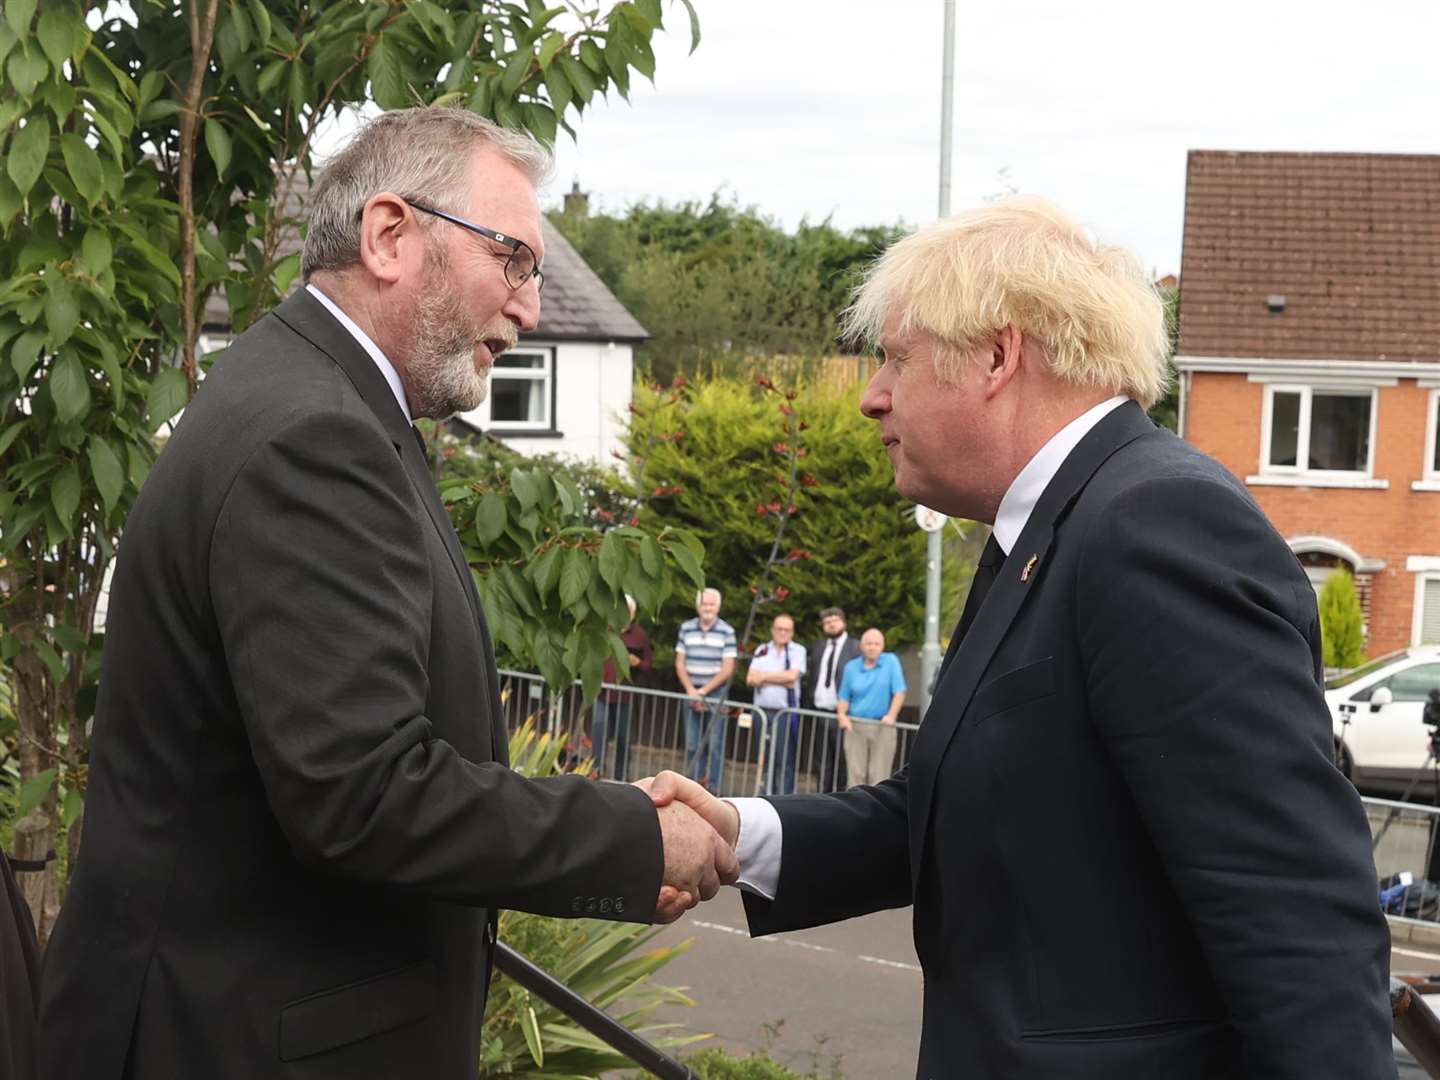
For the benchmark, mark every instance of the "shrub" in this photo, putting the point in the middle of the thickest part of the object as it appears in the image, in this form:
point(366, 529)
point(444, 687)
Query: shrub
point(1342, 635)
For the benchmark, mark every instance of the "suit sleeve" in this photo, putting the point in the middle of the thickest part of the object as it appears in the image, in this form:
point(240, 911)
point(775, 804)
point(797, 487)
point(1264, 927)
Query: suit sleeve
point(842, 855)
point(321, 587)
point(1201, 641)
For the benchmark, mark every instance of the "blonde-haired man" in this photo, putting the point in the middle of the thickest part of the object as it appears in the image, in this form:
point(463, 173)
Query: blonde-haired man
point(1128, 851)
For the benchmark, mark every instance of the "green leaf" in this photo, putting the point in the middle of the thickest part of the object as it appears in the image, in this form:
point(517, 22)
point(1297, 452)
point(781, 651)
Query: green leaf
point(285, 271)
point(151, 254)
point(652, 560)
point(10, 199)
point(490, 518)
point(387, 75)
point(544, 571)
point(96, 251)
point(517, 67)
point(694, 25)
point(581, 81)
point(65, 494)
point(592, 57)
point(139, 465)
point(63, 34)
point(83, 164)
point(8, 39)
point(552, 44)
point(217, 141)
point(107, 470)
point(540, 120)
point(574, 576)
point(34, 790)
point(689, 564)
point(70, 389)
point(26, 351)
point(73, 807)
point(62, 310)
point(10, 434)
point(558, 87)
point(68, 638)
point(28, 151)
point(26, 70)
point(19, 14)
point(612, 560)
point(524, 487)
point(260, 14)
point(169, 393)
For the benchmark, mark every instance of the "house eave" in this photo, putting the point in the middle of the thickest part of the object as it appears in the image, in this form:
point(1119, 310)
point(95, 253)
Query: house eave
point(1269, 370)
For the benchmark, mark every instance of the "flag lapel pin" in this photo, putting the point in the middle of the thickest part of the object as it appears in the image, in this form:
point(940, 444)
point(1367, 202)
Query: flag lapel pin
point(1030, 565)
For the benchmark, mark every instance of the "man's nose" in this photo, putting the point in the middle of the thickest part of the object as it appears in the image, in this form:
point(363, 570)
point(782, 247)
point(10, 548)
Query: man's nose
point(875, 402)
point(523, 307)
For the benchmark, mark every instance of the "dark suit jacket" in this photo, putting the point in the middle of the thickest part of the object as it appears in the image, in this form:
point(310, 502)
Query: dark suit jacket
point(1129, 853)
point(300, 821)
point(849, 651)
point(19, 981)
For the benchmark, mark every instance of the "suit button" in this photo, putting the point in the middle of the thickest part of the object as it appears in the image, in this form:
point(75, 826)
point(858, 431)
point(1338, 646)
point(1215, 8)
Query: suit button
point(619, 904)
point(577, 903)
point(590, 906)
point(605, 906)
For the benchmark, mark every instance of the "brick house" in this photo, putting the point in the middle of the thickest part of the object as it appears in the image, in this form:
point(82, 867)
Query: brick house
point(1309, 362)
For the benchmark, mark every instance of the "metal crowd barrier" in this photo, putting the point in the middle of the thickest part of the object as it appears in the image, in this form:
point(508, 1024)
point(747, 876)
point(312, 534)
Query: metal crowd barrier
point(758, 743)
point(1405, 838)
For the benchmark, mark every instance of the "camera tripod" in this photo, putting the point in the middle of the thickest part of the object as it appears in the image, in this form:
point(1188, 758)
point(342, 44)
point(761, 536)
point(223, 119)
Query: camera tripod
point(1431, 718)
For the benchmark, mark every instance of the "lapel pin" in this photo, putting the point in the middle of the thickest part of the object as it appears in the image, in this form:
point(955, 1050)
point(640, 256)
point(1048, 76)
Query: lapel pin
point(1025, 574)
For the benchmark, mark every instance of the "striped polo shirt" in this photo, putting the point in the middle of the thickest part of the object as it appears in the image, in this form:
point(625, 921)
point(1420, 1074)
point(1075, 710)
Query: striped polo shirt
point(705, 650)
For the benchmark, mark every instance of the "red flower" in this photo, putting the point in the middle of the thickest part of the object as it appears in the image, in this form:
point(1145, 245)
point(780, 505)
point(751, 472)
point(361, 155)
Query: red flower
point(781, 448)
point(806, 480)
point(786, 409)
point(782, 593)
point(604, 515)
point(774, 508)
point(680, 381)
point(634, 521)
point(761, 510)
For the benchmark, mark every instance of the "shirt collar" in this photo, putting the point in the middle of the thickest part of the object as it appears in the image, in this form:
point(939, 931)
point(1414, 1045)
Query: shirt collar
point(387, 369)
point(1025, 491)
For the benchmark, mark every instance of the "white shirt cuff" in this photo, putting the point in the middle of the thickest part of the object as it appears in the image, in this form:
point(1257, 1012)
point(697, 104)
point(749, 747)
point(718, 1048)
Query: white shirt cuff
point(758, 849)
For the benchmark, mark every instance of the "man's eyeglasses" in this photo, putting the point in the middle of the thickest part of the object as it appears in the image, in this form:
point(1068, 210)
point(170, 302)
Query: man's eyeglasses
point(520, 267)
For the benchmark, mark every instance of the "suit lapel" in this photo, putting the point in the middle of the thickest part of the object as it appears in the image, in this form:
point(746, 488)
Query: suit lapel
point(965, 663)
point(306, 316)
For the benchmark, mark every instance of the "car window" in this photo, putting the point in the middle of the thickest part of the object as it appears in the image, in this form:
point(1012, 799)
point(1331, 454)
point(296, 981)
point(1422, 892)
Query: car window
point(1414, 683)
point(1345, 678)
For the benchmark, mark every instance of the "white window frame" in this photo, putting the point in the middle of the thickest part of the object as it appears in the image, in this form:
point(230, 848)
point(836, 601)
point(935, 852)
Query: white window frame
point(1426, 568)
point(1298, 474)
point(545, 376)
point(1429, 474)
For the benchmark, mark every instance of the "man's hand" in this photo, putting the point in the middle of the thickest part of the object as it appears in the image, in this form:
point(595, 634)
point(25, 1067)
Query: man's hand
point(888, 719)
point(670, 788)
point(697, 861)
point(845, 722)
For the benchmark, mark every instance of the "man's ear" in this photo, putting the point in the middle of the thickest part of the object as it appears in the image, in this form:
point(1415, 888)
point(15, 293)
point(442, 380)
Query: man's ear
point(387, 229)
point(1005, 359)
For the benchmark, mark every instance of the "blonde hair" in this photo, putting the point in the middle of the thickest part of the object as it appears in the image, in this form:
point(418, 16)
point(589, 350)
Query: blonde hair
point(1022, 262)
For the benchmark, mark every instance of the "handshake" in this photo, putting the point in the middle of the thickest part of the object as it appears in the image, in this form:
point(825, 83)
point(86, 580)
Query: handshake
point(698, 832)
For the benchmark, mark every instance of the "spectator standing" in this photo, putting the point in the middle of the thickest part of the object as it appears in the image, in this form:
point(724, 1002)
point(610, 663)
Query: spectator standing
point(872, 688)
point(775, 673)
point(704, 662)
point(613, 707)
point(827, 660)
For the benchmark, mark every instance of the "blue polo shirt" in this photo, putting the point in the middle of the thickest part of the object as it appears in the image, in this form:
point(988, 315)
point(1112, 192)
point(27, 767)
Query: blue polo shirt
point(869, 690)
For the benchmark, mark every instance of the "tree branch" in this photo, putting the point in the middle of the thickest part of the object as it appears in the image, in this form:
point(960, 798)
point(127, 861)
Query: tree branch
point(202, 40)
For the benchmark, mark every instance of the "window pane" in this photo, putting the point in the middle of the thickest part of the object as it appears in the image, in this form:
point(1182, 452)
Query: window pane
point(1340, 432)
point(1430, 612)
point(529, 361)
point(1435, 427)
point(1414, 683)
point(518, 401)
point(1284, 428)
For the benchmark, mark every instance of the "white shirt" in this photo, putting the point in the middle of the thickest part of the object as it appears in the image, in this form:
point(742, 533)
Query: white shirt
point(387, 369)
point(760, 834)
point(827, 694)
point(771, 659)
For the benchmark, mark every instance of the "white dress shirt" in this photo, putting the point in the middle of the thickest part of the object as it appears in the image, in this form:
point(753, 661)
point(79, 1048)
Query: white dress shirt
point(387, 369)
point(759, 845)
point(826, 694)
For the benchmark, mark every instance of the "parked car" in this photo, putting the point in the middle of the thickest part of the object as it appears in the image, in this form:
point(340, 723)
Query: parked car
point(1381, 743)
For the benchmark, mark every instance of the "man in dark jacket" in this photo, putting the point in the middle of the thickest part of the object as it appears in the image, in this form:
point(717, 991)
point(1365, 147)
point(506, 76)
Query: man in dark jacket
point(1127, 846)
point(300, 823)
point(828, 656)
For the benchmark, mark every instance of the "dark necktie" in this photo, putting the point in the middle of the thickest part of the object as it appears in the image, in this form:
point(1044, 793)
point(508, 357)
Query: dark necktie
point(988, 569)
point(789, 690)
point(827, 677)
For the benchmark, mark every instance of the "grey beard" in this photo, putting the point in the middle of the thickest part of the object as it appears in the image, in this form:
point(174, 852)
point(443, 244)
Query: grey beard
point(443, 379)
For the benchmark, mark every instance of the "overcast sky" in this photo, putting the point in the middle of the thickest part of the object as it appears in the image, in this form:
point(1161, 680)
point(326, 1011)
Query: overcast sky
point(832, 107)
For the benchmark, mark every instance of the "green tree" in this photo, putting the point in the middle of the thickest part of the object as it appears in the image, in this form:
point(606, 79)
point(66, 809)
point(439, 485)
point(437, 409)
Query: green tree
point(716, 284)
point(1342, 636)
point(150, 152)
point(850, 540)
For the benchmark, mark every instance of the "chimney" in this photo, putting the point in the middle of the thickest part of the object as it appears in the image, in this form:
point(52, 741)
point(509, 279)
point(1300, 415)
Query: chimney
point(577, 202)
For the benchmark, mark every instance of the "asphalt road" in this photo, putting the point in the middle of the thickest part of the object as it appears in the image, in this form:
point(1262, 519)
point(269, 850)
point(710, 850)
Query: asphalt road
point(841, 1000)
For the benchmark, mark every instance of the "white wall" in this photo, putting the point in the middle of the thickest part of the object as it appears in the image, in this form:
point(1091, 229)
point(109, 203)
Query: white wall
point(592, 400)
